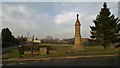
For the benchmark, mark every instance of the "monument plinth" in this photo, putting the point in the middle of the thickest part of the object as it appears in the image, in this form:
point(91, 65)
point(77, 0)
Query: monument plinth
point(77, 42)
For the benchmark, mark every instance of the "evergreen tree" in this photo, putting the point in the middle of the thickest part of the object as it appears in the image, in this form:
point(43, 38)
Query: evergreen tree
point(7, 36)
point(106, 29)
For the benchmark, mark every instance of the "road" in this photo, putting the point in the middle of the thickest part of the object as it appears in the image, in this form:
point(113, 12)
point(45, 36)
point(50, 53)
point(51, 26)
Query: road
point(94, 61)
point(7, 49)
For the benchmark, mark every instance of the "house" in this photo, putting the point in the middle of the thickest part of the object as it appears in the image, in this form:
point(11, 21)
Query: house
point(31, 40)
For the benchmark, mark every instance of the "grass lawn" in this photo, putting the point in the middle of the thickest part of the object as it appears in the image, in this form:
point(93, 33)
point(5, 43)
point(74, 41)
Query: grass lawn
point(65, 50)
point(88, 50)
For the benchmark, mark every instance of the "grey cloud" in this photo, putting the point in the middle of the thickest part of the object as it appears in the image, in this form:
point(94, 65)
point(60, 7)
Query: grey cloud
point(41, 24)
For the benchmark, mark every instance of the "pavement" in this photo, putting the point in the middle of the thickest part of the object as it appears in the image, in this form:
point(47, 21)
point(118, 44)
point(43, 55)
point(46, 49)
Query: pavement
point(52, 58)
point(19, 61)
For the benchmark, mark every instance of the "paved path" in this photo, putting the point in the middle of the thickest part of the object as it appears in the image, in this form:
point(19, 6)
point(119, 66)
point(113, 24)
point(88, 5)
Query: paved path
point(51, 58)
point(92, 60)
point(96, 61)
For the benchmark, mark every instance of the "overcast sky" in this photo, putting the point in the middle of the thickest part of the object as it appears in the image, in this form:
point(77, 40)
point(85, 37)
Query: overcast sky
point(54, 19)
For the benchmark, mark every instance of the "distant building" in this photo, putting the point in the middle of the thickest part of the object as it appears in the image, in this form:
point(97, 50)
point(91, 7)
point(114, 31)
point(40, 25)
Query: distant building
point(31, 40)
point(37, 41)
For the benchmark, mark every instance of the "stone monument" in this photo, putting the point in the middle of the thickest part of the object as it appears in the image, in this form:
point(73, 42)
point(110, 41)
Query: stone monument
point(77, 42)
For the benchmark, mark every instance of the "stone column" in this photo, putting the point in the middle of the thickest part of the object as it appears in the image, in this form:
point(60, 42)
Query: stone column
point(77, 42)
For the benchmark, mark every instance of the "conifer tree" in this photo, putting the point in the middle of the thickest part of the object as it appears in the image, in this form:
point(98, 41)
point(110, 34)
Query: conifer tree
point(107, 27)
point(7, 37)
